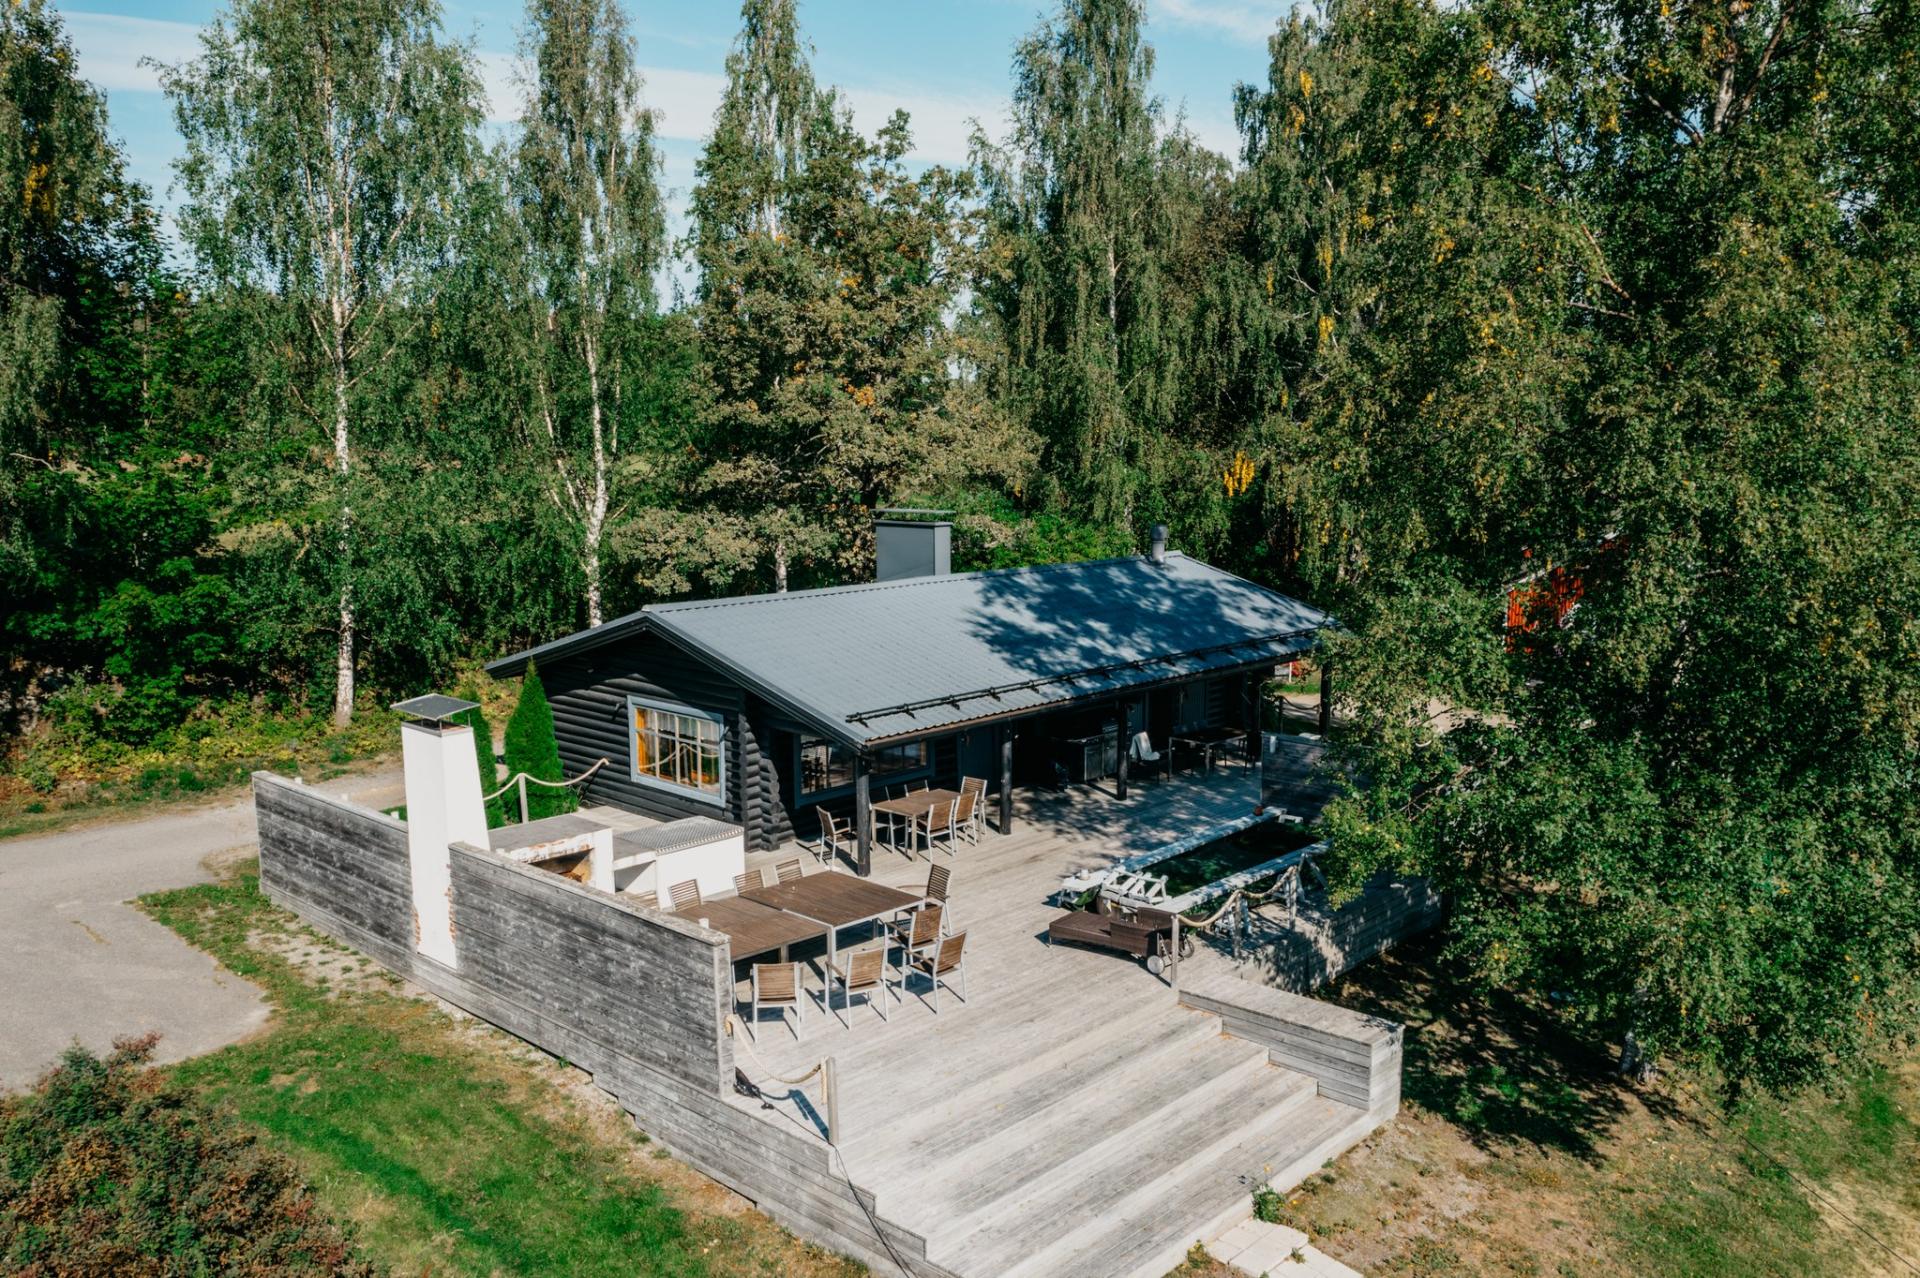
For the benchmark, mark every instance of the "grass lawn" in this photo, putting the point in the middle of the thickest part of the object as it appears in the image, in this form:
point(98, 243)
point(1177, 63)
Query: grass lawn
point(1517, 1152)
point(451, 1147)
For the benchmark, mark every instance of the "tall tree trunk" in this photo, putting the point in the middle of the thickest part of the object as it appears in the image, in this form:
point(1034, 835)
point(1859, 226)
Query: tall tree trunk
point(342, 460)
point(780, 566)
point(597, 507)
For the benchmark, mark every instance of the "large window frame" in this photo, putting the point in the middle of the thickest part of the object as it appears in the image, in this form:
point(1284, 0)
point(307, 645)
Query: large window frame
point(834, 759)
point(687, 730)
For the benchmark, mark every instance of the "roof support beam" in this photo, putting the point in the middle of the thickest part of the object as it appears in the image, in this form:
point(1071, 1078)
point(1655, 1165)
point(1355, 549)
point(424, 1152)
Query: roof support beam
point(862, 816)
point(1006, 778)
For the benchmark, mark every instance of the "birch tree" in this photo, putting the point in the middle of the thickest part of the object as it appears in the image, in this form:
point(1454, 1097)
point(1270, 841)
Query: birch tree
point(325, 145)
point(584, 174)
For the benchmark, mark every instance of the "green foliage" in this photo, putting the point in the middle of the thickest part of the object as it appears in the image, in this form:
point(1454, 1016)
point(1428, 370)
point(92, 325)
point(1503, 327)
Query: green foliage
point(107, 1166)
point(1609, 302)
point(827, 271)
point(484, 758)
point(531, 748)
point(324, 152)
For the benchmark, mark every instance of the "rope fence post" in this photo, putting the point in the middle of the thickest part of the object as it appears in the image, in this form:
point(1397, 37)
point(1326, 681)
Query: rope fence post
point(1175, 968)
point(831, 1085)
point(522, 778)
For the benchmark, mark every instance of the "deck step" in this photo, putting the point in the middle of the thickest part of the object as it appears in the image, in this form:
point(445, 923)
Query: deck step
point(1077, 1202)
point(1149, 1233)
point(884, 1121)
point(1132, 1108)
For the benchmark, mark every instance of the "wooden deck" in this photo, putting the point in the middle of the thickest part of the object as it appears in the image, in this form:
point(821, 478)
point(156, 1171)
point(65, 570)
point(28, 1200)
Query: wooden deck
point(1070, 1118)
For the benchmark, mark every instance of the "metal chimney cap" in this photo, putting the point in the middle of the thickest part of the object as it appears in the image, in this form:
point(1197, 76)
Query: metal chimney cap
point(1157, 546)
point(434, 708)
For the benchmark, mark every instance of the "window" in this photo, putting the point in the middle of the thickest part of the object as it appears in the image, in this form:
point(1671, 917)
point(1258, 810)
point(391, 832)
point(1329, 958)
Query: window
point(827, 765)
point(678, 748)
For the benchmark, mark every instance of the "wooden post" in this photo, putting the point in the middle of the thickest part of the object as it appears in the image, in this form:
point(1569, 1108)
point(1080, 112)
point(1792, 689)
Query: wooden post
point(1256, 686)
point(1174, 967)
point(862, 816)
point(1006, 778)
point(523, 798)
point(831, 1086)
point(1126, 741)
point(1326, 697)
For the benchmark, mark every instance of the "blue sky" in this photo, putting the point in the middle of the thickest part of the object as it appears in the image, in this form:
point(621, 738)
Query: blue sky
point(947, 62)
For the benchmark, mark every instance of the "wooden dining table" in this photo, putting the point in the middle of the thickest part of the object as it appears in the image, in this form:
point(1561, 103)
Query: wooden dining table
point(754, 928)
point(913, 806)
point(833, 901)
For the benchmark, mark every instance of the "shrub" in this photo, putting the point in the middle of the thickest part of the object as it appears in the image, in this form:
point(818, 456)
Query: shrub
point(108, 1167)
point(531, 749)
point(476, 719)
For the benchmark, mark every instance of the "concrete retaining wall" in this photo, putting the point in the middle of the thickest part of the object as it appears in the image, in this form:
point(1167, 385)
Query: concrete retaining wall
point(637, 997)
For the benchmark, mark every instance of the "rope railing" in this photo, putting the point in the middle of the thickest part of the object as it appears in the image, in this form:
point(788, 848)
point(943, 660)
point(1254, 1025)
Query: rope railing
point(520, 780)
point(823, 1069)
point(1286, 883)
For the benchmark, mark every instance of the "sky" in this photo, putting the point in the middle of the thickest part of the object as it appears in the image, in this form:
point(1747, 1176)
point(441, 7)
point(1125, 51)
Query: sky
point(946, 62)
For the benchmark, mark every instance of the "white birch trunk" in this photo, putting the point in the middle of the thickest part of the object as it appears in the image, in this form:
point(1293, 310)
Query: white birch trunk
point(596, 520)
point(342, 460)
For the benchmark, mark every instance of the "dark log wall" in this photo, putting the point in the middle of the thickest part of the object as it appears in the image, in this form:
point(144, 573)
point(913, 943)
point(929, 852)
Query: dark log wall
point(341, 867)
point(589, 694)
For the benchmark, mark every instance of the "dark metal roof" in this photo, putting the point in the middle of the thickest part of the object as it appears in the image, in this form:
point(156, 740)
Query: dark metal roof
point(434, 707)
point(870, 662)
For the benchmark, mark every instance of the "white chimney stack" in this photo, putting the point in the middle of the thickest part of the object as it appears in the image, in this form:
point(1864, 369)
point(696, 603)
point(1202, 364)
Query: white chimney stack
point(443, 807)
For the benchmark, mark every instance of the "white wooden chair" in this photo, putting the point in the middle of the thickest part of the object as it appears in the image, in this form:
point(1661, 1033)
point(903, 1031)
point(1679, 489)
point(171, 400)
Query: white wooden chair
point(940, 823)
point(685, 896)
point(836, 838)
point(966, 816)
point(790, 870)
point(751, 881)
point(917, 933)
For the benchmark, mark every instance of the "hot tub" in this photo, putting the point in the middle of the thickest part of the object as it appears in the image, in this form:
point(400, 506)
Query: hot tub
point(1206, 864)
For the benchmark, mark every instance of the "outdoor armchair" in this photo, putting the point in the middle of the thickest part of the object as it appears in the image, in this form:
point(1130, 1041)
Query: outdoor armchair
point(777, 985)
point(861, 972)
point(944, 964)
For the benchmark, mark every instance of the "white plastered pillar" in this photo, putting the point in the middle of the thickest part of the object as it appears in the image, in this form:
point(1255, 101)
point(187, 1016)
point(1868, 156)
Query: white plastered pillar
point(443, 807)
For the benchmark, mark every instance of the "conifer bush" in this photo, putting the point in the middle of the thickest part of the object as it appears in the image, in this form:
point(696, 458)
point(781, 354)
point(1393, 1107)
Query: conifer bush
point(531, 749)
point(476, 718)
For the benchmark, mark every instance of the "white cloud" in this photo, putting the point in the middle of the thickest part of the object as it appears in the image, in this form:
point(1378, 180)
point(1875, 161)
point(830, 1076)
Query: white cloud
point(110, 47)
point(1251, 21)
point(942, 126)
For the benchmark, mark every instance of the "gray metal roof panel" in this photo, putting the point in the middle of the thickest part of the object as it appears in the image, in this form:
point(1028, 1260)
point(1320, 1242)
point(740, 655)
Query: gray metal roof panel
point(870, 661)
point(850, 651)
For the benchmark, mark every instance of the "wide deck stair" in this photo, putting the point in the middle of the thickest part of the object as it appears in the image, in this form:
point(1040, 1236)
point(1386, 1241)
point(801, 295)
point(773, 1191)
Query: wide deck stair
point(1074, 1116)
point(1108, 1154)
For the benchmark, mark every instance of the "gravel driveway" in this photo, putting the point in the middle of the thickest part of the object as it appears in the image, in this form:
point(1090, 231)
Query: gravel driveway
point(81, 963)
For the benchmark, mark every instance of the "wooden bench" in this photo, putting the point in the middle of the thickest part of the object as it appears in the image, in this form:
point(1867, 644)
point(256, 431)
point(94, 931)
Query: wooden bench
point(1145, 934)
